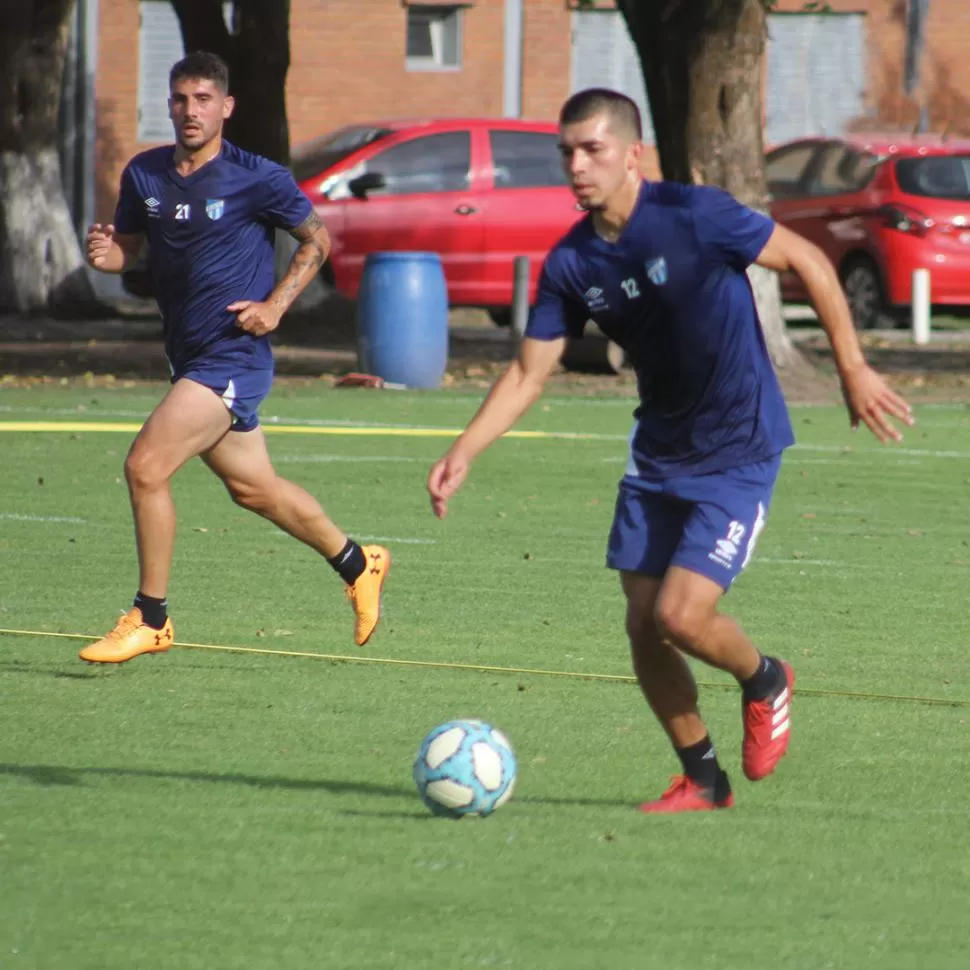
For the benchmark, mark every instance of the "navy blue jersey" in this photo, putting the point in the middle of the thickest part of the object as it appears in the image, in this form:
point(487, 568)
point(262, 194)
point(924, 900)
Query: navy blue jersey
point(211, 243)
point(673, 292)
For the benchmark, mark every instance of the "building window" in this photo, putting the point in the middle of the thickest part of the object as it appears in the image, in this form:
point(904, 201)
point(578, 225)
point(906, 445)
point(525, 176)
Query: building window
point(159, 47)
point(434, 38)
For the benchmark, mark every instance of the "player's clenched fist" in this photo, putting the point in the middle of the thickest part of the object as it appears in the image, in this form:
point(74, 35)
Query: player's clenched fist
point(99, 241)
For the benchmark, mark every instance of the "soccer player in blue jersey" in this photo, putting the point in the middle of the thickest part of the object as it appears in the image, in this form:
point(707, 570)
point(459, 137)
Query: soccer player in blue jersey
point(660, 267)
point(208, 211)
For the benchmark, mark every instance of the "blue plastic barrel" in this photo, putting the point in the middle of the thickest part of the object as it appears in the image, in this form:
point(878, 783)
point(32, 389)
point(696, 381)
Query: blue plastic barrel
point(402, 318)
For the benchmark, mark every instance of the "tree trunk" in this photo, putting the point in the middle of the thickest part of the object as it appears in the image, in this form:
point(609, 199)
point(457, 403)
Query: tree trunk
point(702, 63)
point(42, 266)
point(258, 54)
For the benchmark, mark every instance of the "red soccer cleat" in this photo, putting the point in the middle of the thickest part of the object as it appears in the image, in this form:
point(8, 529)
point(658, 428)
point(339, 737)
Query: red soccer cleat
point(685, 795)
point(767, 729)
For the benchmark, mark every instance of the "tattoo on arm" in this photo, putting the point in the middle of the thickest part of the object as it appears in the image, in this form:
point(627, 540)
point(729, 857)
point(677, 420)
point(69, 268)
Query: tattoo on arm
point(310, 255)
point(307, 230)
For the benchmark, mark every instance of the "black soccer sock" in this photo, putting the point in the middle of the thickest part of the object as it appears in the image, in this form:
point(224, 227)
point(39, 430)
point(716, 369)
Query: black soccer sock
point(768, 679)
point(154, 611)
point(700, 763)
point(349, 563)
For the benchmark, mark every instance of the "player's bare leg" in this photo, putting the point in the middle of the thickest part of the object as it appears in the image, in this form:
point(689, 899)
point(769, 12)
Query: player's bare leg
point(662, 673)
point(686, 613)
point(671, 691)
point(189, 419)
point(242, 461)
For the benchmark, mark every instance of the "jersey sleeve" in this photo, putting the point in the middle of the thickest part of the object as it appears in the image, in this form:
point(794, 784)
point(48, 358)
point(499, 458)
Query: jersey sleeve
point(728, 231)
point(554, 314)
point(282, 204)
point(130, 211)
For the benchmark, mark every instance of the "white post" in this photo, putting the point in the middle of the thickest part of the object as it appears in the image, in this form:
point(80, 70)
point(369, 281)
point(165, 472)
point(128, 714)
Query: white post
point(921, 306)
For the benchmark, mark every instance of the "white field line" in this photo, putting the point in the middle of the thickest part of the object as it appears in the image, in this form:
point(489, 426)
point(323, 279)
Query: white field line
point(888, 450)
point(398, 540)
point(21, 517)
point(313, 459)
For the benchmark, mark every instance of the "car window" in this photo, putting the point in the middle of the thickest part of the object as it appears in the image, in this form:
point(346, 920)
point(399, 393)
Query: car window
point(526, 159)
point(837, 171)
point(784, 168)
point(318, 155)
point(866, 168)
point(432, 163)
point(942, 177)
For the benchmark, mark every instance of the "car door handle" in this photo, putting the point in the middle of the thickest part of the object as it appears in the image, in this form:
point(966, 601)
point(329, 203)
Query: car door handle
point(465, 210)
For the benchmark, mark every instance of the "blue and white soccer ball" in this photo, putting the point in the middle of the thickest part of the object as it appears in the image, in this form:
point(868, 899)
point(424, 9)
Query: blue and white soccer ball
point(465, 768)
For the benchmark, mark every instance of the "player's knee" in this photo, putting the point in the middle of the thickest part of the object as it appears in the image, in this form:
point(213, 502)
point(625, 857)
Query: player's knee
point(142, 473)
point(251, 496)
point(641, 628)
point(682, 620)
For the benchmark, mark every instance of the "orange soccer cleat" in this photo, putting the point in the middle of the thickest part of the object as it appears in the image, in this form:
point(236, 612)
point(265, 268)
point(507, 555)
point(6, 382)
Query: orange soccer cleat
point(365, 594)
point(130, 638)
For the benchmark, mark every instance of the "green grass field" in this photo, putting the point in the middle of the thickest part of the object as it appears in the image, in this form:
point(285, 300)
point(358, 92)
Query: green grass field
point(209, 809)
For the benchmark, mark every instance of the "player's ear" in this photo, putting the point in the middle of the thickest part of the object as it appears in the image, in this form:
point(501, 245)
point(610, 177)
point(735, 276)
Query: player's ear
point(636, 154)
point(228, 104)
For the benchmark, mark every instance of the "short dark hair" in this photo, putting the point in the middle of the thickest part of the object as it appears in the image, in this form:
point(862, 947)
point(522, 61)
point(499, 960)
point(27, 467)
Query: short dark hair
point(622, 111)
point(201, 66)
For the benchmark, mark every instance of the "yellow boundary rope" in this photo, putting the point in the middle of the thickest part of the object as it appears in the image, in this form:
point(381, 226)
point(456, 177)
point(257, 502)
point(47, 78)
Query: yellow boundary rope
point(484, 668)
point(75, 427)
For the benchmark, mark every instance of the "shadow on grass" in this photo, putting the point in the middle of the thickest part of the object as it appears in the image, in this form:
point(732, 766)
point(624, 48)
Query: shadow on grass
point(63, 776)
point(35, 671)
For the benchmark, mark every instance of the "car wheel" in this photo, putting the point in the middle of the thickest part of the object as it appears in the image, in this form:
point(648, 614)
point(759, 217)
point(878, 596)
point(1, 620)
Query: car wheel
point(864, 293)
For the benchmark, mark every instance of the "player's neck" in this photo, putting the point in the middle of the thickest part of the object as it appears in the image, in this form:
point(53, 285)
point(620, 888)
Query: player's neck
point(188, 160)
point(610, 221)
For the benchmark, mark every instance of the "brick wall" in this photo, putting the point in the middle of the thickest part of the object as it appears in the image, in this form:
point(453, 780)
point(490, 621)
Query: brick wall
point(945, 65)
point(348, 64)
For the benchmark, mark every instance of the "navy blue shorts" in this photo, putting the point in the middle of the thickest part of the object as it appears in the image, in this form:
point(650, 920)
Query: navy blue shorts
point(708, 524)
point(242, 389)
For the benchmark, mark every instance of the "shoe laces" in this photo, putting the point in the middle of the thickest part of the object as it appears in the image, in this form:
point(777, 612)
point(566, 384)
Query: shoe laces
point(760, 712)
point(127, 623)
point(677, 783)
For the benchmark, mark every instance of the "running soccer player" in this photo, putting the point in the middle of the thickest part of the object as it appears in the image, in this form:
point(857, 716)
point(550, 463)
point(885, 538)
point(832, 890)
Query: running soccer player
point(208, 211)
point(660, 267)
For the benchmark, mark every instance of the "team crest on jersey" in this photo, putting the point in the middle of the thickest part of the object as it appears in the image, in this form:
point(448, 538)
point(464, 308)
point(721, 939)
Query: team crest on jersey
point(657, 270)
point(214, 208)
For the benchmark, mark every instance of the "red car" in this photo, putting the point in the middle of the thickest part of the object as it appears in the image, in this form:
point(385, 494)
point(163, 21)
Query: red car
point(880, 208)
point(478, 191)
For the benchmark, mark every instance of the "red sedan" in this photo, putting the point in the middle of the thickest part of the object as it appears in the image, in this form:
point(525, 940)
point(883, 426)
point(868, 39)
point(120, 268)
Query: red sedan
point(478, 191)
point(880, 208)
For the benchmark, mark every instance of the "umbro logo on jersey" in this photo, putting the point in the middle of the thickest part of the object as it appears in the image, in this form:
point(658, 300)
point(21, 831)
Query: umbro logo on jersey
point(594, 298)
point(153, 206)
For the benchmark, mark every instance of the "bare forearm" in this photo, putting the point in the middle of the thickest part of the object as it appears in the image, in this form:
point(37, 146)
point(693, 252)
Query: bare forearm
point(510, 397)
point(829, 301)
point(306, 263)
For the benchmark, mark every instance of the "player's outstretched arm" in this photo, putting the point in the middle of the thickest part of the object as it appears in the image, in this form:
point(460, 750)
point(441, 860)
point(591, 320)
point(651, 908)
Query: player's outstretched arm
point(110, 251)
point(867, 396)
point(510, 397)
point(259, 318)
